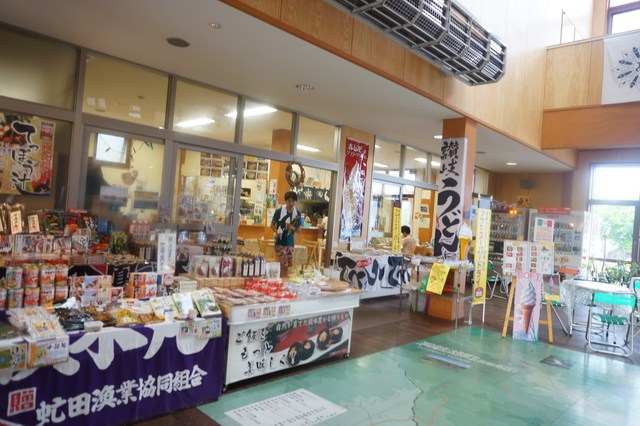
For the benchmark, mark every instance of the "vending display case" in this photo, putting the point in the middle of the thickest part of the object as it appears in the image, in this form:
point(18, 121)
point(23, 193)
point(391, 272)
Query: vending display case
point(506, 224)
point(571, 234)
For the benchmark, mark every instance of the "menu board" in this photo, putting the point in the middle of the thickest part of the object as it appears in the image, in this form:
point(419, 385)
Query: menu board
point(523, 256)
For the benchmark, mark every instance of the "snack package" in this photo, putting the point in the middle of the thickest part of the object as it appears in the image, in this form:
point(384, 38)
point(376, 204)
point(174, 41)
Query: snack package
point(206, 303)
point(184, 304)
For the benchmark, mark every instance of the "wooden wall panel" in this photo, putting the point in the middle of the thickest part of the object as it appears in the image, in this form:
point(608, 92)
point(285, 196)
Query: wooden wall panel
point(424, 76)
point(374, 48)
point(567, 76)
point(614, 126)
point(321, 21)
point(596, 68)
point(268, 7)
point(548, 188)
point(566, 156)
point(598, 24)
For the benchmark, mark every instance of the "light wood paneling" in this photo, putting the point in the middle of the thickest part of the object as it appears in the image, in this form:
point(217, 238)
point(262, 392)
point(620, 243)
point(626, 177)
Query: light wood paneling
point(423, 75)
point(548, 188)
point(321, 21)
point(268, 7)
point(378, 50)
point(598, 24)
point(613, 126)
point(596, 68)
point(567, 76)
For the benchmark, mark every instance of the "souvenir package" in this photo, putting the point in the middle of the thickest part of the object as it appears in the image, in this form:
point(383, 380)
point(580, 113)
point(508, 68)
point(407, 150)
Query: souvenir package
point(205, 302)
point(214, 265)
point(184, 303)
point(52, 223)
point(199, 266)
point(13, 355)
point(16, 219)
point(37, 321)
point(163, 307)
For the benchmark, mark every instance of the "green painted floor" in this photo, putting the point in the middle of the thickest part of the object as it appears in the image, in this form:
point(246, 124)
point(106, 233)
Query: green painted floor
point(471, 376)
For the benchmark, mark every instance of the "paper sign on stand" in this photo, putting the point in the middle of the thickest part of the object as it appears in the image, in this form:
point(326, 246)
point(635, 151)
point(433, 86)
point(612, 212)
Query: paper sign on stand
point(437, 278)
point(528, 301)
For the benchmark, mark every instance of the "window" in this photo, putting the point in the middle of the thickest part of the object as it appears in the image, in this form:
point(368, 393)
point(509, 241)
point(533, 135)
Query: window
point(623, 15)
point(266, 127)
point(124, 91)
point(386, 158)
point(317, 140)
point(112, 149)
point(37, 70)
point(205, 112)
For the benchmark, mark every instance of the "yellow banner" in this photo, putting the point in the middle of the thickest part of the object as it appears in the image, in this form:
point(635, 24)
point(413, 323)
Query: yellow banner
point(481, 256)
point(395, 236)
point(437, 277)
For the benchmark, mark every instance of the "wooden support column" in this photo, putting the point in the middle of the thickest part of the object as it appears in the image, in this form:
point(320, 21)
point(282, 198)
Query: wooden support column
point(464, 128)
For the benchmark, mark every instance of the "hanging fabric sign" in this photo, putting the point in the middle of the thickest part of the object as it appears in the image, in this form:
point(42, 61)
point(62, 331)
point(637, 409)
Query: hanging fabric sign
point(621, 69)
point(26, 155)
point(481, 256)
point(450, 197)
point(355, 179)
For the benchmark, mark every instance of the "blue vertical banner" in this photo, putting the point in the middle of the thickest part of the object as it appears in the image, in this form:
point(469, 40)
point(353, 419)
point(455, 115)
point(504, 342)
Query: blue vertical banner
point(450, 208)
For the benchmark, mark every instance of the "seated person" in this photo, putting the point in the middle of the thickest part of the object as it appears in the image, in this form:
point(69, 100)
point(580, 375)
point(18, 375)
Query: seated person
point(408, 242)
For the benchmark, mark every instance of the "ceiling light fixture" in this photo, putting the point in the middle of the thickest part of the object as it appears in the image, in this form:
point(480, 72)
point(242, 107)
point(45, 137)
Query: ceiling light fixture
point(512, 164)
point(435, 163)
point(215, 25)
point(382, 166)
point(307, 148)
point(195, 122)
point(178, 42)
point(438, 137)
point(304, 87)
point(377, 146)
point(421, 160)
point(252, 111)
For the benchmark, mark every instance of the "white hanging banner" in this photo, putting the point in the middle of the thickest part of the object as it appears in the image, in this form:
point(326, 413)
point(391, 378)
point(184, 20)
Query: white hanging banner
point(166, 251)
point(450, 208)
point(621, 69)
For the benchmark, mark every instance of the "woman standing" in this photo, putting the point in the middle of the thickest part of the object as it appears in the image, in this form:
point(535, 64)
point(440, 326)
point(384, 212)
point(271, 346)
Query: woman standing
point(285, 222)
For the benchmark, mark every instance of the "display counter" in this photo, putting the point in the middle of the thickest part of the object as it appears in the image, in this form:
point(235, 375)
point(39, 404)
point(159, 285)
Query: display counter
point(116, 376)
point(269, 337)
point(375, 275)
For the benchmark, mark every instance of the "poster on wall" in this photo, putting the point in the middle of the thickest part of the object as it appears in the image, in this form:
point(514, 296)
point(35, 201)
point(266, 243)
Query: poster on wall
point(621, 70)
point(527, 306)
point(355, 178)
point(449, 210)
point(26, 155)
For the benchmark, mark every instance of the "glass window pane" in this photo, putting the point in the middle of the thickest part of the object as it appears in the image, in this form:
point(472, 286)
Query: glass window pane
point(314, 194)
point(37, 70)
point(317, 140)
point(386, 158)
point(120, 90)
point(127, 188)
point(612, 234)
point(255, 199)
point(205, 187)
point(614, 3)
point(267, 128)
point(606, 183)
point(37, 178)
point(206, 112)
point(627, 21)
point(384, 197)
point(415, 167)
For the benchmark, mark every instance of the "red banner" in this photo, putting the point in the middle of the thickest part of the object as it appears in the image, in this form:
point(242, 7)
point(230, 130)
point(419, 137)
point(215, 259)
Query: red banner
point(554, 210)
point(355, 179)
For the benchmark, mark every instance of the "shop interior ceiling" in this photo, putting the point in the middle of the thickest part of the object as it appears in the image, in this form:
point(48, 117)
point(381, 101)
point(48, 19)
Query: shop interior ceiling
point(248, 56)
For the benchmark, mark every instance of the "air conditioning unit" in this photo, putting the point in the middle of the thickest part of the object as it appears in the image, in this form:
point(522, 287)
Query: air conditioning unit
point(440, 31)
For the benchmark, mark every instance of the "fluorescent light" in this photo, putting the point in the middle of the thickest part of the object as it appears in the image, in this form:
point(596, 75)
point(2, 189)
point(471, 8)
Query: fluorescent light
point(435, 163)
point(307, 148)
point(421, 160)
point(195, 122)
point(437, 137)
point(378, 146)
point(383, 166)
point(512, 164)
point(252, 111)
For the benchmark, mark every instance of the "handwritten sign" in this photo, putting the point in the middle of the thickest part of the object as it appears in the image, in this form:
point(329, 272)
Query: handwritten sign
point(437, 278)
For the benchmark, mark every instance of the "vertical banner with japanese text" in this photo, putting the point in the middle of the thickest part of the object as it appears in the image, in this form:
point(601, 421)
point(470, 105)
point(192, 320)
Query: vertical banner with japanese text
point(355, 179)
point(481, 255)
point(449, 211)
point(395, 231)
point(26, 155)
